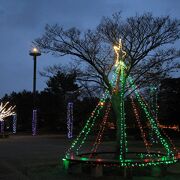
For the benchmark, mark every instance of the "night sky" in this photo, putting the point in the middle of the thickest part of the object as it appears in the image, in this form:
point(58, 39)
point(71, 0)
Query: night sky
point(21, 21)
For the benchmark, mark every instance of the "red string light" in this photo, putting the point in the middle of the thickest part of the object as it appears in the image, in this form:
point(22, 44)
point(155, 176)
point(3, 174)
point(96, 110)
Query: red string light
point(137, 117)
point(101, 130)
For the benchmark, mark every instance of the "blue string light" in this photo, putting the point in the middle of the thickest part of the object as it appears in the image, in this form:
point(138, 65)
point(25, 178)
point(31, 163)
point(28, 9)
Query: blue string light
point(70, 120)
point(14, 123)
point(34, 122)
point(2, 126)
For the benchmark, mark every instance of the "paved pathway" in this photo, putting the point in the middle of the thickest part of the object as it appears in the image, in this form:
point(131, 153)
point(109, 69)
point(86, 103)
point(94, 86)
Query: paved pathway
point(36, 158)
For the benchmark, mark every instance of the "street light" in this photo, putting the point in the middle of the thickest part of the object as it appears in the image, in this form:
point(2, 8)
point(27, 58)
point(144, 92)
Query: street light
point(34, 52)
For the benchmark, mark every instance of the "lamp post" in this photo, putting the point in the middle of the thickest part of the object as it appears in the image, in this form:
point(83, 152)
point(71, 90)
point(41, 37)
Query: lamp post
point(34, 52)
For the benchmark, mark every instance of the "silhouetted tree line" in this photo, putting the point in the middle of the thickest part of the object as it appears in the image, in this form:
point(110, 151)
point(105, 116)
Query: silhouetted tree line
point(62, 88)
point(169, 101)
point(52, 104)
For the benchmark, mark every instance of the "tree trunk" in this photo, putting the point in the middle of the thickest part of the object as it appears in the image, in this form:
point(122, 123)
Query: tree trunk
point(118, 107)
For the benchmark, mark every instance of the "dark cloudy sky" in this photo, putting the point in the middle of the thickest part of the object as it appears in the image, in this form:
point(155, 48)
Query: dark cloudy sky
point(21, 21)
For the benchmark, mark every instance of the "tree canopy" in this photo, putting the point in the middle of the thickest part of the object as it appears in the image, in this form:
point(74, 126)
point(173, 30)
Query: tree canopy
point(146, 39)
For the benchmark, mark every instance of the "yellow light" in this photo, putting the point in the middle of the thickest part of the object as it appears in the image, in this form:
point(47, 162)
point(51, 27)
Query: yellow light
point(101, 103)
point(120, 54)
point(35, 50)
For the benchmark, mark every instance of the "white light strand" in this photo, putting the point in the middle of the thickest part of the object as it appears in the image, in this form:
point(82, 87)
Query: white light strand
point(6, 112)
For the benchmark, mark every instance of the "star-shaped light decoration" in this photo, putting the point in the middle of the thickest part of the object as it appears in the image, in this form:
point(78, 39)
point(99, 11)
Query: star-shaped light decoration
point(120, 54)
point(5, 112)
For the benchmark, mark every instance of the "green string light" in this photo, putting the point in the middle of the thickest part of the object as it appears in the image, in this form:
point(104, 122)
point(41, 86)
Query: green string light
point(151, 120)
point(89, 124)
point(144, 158)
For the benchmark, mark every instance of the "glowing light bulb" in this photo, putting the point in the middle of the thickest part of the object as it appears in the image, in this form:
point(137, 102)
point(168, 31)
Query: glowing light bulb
point(101, 103)
point(35, 50)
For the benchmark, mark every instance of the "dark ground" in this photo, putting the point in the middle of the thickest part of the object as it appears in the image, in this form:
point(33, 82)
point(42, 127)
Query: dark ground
point(40, 158)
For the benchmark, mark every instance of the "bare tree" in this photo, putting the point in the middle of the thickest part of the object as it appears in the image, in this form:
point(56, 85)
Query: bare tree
point(147, 41)
point(86, 89)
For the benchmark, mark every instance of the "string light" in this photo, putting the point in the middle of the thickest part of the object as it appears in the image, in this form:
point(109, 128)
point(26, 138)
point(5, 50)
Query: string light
point(87, 128)
point(154, 104)
point(146, 161)
point(140, 125)
point(2, 126)
point(118, 49)
point(101, 130)
point(34, 122)
point(118, 83)
point(5, 112)
point(121, 121)
point(151, 120)
point(70, 120)
point(90, 122)
point(77, 143)
point(153, 107)
point(14, 123)
point(173, 127)
point(90, 127)
point(157, 121)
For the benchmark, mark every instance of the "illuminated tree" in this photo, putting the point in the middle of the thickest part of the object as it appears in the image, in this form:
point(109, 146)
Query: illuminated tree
point(80, 149)
point(145, 57)
point(5, 112)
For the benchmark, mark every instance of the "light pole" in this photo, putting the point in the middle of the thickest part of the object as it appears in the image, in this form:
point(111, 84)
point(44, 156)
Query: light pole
point(34, 52)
